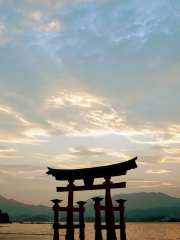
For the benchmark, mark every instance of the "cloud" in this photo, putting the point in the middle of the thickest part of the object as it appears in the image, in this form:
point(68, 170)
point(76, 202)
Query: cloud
point(10, 112)
point(22, 171)
point(56, 158)
point(22, 168)
point(67, 98)
point(148, 159)
point(16, 129)
point(99, 116)
point(75, 154)
point(36, 132)
point(9, 156)
point(170, 150)
point(89, 164)
point(137, 181)
point(144, 181)
point(165, 136)
point(51, 26)
point(4, 152)
point(13, 173)
point(172, 153)
point(157, 171)
point(170, 160)
point(55, 44)
point(87, 114)
point(143, 163)
point(161, 185)
point(35, 178)
point(7, 149)
point(83, 151)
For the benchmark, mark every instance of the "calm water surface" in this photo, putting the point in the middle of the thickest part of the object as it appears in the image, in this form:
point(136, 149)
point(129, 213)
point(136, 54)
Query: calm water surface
point(134, 231)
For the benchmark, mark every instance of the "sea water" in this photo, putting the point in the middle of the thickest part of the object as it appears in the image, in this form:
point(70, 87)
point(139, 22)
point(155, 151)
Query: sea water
point(134, 231)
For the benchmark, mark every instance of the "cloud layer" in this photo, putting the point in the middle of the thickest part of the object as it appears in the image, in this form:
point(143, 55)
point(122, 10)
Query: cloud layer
point(88, 83)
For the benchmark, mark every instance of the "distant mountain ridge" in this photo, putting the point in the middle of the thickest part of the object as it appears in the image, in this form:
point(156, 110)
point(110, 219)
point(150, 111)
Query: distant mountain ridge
point(147, 200)
point(143, 201)
point(15, 208)
point(136, 203)
point(37, 208)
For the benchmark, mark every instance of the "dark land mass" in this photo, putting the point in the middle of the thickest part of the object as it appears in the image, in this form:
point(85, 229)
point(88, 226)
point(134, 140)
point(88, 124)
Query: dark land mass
point(4, 218)
point(140, 207)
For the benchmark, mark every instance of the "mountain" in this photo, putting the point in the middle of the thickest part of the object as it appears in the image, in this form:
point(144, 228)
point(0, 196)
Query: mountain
point(143, 203)
point(137, 201)
point(14, 208)
point(146, 200)
point(39, 209)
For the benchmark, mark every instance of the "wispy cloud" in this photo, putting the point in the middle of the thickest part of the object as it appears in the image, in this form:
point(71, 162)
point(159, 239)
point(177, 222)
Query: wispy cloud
point(143, 163)
point(9, 156)
point(75, 154)
point(16, 129)
point(83, 151)
point(4, 152)
point(17, 116)
point(21, 172)
point(56, 158)
point(157, 185)
point(136, 181)
point(170, 160)
point(157, 171)
point(89, 164)
point(144, 181)
point(18, 172)
point(7, 149)
point(66, 98)
point(88, 115)
point(13, 173)
point(36, 132)
point(164, 137)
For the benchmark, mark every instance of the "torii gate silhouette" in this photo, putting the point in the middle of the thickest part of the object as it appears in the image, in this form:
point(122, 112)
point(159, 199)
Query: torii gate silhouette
point(88, 175)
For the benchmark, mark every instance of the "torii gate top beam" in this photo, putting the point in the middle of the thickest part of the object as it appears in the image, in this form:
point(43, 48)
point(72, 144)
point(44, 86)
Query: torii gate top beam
point(88, 174)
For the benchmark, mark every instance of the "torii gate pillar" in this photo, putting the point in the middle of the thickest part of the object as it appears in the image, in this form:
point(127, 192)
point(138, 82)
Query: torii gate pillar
point(81, 220)
point(70, 224)
point(122, 220)
point(109, 214)
point(56, 218)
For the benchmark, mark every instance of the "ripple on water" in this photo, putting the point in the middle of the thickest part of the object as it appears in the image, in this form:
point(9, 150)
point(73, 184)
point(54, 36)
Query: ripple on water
point(134, 231)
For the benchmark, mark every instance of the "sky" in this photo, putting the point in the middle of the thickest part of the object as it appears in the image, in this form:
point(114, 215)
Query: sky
point(86, 84)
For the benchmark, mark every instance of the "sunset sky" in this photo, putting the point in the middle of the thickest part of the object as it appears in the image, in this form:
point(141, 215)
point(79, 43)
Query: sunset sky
point(84, 84)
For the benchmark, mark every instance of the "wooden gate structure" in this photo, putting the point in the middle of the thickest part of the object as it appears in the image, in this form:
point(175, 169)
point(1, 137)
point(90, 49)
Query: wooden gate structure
point(88, 175)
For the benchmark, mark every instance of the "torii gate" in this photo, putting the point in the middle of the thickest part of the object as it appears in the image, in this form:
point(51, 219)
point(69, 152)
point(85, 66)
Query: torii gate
point(88, 175)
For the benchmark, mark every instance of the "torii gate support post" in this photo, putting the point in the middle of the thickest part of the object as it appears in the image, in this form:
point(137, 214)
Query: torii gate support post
point(56, 218)
point(98, 232)
point(109, 213)
point(122, 220)
point(81, 220)
point(70, 224)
